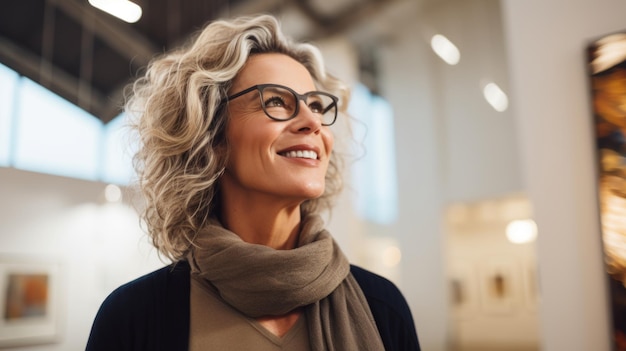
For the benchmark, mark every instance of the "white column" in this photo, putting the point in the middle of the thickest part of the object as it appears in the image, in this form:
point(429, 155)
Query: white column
point(407, 83)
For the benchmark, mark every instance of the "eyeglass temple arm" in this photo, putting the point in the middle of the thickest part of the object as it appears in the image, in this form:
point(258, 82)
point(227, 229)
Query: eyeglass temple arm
point(330, 107)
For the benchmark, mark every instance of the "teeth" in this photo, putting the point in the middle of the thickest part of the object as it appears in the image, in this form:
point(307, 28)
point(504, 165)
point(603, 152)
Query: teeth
point(301, 154)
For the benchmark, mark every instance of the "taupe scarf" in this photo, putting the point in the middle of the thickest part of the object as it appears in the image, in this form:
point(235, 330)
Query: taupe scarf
point(260, 281)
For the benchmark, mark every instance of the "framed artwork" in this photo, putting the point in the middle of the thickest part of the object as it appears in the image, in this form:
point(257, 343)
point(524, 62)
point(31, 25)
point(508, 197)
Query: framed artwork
point(498, 286)
point(29, 301)
point(606, 58)
point(463, 290)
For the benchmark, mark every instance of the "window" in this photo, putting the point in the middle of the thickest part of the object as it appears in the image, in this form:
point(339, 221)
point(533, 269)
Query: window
point(8, 81)
point(54, 136)
point(41, 132)
point(118, 152)
point(374, 173)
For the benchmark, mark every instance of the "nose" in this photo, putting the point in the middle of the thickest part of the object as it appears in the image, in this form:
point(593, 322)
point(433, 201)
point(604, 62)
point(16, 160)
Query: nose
point(306, 120)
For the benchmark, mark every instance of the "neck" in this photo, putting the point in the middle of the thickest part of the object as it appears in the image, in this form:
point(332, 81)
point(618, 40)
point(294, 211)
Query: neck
point(263, 224)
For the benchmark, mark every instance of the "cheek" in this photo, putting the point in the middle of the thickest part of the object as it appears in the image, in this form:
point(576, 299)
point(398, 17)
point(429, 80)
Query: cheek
point(236, 141)
point(329, 142)
point(250, 141)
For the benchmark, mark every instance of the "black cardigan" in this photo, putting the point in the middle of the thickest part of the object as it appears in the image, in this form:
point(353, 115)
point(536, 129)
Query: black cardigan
point(151, 313)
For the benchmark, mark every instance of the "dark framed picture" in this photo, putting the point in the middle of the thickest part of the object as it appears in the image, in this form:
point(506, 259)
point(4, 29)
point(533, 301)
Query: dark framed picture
point(499, 286)
point(607, 72)
point(29, 301)
point(463, 288)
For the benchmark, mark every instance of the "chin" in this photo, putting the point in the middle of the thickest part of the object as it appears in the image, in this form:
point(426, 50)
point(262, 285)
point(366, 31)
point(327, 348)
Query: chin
point(313, 192)
point(312, 196)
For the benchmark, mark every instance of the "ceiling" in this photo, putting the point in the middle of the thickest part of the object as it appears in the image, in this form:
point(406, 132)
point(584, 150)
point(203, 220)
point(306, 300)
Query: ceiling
point(88, 57)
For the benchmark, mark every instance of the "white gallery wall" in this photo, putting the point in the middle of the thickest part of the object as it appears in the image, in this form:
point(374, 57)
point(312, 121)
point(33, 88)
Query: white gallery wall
point(67, 222)
point(543, 147)
point(451, 145)
point(546, 42)
point(492, 275)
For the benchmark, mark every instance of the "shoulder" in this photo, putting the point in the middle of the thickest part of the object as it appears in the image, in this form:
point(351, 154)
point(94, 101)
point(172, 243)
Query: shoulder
point(154, 283)
point(141, 307)
point(148, 289)
point(381, 292)
point(389, 308)
point(374, 285)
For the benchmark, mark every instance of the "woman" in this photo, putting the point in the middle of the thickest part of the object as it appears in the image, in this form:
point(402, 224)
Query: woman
point(236, 164)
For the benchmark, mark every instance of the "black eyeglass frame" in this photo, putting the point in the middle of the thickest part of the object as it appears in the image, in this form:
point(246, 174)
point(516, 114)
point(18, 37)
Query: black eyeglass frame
point(299, 97)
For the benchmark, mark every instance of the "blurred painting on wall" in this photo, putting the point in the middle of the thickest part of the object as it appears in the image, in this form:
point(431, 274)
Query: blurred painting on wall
point(607, 70)
point(498, 286)
point(28, 302)
point(26, 296)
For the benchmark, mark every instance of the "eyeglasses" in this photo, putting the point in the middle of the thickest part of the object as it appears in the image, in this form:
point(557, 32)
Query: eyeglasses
point(281, 103)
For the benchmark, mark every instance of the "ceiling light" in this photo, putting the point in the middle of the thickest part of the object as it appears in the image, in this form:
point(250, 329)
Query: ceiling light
point(123, 9)
point(521, 231)
point(112, 193)
point(496, 97)
point(445, 49)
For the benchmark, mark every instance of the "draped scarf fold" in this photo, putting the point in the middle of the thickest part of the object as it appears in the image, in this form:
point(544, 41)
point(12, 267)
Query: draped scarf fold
point(261, 281)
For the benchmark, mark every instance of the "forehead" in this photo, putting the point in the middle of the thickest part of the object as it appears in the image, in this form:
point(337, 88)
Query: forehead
point(276, 69)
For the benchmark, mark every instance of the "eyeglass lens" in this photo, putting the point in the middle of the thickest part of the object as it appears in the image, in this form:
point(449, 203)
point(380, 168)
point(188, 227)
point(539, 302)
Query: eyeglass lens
point(282, 104)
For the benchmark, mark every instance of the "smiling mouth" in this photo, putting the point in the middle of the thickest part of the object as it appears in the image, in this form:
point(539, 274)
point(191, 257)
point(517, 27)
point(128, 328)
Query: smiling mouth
point(300, 154)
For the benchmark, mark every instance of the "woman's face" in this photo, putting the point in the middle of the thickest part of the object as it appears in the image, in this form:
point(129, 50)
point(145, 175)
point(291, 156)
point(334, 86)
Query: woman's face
point(264, 154)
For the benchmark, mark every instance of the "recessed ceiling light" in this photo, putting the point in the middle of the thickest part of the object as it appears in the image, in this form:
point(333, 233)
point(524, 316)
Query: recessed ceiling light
point(496, 97)
point(445, 49)
point(123, 9)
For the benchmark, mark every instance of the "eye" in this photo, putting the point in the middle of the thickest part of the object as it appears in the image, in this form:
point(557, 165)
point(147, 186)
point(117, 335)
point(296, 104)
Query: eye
point(316, 107)
point(275, 101)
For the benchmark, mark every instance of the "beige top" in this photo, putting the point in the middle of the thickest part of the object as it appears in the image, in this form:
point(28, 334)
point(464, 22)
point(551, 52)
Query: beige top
point(215, 325)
